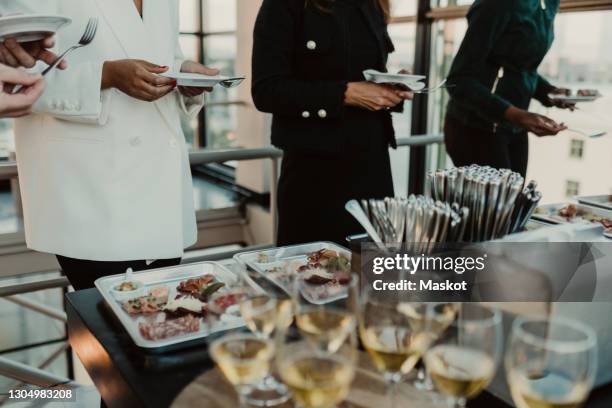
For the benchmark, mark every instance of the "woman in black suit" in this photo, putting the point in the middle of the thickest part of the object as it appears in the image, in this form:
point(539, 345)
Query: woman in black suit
point(335, 129)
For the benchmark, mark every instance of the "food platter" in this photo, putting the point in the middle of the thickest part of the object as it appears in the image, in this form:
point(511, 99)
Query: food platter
point(177, 306)
point(326, 266)
point(600, 201)
point(571, 213)
point(30, 27)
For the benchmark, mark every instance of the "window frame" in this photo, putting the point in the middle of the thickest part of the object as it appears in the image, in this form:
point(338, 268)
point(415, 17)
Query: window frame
point(201, 139)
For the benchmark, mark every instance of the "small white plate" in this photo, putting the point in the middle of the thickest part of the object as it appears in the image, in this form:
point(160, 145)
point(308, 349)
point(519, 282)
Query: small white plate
point(573, 98)
point(30, 27)
point(413, 82)
point(195, 80)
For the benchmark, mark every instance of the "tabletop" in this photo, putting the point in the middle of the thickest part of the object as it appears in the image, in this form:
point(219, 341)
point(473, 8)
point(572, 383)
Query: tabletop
point(126, 375)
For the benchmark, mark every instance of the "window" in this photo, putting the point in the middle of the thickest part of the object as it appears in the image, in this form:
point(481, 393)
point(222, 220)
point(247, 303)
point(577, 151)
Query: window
point(208, 35)
point(6, 138)
point(576, 148)
point(402, 30)
point(572, 188)
point(577, 60)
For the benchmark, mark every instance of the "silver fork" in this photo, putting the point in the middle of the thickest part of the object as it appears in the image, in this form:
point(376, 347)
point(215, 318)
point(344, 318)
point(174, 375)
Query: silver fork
point(87, 37)
point(231, 82)
point(441, 85)
point(591, 135)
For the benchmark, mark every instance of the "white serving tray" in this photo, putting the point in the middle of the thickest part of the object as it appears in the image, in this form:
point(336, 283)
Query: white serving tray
point(546, 213)
point(170, 277)
point(279, 257)
point(600, 201)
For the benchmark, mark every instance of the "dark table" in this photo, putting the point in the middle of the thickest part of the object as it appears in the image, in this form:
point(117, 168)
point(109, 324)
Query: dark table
point(127, 376)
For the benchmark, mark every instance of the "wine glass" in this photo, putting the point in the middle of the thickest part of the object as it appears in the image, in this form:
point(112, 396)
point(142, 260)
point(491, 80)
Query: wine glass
point(432, 318)
point(319, 372)
point(464, 359)
point(260, 311)
point(551, 363)
point(325, 314)
point(392, 335)
point(244, 360)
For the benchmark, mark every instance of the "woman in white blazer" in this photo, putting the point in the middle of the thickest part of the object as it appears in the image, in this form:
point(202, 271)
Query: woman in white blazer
point(103, 164)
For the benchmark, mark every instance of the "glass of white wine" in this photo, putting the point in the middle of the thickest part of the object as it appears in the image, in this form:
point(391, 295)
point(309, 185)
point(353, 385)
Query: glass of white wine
point(260, 311)
point(325, 323)
point(431, 318)
point(464, 360)
point(318, 373)
point(244, 360)
point(393, 334)
point(551, 363)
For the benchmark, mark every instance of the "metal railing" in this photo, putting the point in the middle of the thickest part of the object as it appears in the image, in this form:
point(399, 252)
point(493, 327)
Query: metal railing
point(8, 169)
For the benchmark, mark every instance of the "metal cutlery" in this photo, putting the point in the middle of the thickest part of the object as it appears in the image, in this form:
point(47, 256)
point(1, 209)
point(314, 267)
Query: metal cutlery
point(356, 211)
point(418, 222)
point(586, 134)
point(88, 36)
point(231, 82)
point(498, 203)
point(441, 85)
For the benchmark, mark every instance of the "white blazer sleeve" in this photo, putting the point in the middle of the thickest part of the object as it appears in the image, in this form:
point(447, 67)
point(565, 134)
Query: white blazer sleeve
point(190, 106)
point(74, 94)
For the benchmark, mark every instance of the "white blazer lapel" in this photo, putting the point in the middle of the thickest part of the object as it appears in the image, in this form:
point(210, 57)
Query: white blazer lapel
point(151, 40)
point(162, 35)
point(123, 19)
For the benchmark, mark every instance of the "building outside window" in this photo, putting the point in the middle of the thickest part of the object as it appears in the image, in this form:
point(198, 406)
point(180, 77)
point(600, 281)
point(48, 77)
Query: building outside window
point(576, 148)
point(208, 35)
point(572, 188)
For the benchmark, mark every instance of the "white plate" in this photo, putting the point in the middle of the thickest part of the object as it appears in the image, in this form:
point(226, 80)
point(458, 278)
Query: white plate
point(30, 27)
point(573, 98)
point(413, 82)
point(195, 80)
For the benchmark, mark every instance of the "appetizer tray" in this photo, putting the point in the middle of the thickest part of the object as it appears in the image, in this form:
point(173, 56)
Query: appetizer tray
point(326, 265)
point(571, 213)
point(178, 305)
point(600, 201)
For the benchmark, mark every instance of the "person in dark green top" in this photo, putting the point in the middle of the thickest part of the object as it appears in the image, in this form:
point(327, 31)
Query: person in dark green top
point(494, 77)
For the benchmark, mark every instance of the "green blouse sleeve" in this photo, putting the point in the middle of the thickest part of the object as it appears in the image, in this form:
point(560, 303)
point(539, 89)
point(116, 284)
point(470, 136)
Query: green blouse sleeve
point(543, 88)
point(487, 21)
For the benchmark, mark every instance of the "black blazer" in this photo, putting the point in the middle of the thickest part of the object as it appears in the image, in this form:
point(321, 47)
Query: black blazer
point(300, 70)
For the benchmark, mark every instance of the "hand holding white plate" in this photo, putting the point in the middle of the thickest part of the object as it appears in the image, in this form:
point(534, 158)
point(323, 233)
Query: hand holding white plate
point(412, 82)
point(30, 27)
point(203, 81)
point(580, 96)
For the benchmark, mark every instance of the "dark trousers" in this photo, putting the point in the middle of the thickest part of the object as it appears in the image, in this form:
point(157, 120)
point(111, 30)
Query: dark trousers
point(82, 273)
point(469, 145)
point(314, 187)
